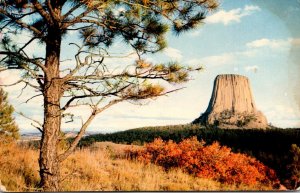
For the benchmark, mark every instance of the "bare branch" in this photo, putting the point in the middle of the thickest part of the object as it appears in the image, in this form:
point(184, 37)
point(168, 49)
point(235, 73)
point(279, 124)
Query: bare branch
point(32, 85)
point(80, 134)
point(3, 69)
point(38, 128)
point(33, 97)
point(26, 44)
point(22, 81)
point(12, 84)
point(67, 105)
point(93, 115)
point(74, 8)
point(86, 62)
point(79, 28)
point(37, 122)
point(22, 90)
point(10, 21)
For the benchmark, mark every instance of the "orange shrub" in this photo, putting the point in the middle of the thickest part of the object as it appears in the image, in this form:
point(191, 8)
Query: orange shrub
point(206, 161)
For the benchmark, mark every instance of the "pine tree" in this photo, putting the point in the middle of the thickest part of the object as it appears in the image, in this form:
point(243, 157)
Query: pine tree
point(293, 169)
point(140, 24)
point(8, 126)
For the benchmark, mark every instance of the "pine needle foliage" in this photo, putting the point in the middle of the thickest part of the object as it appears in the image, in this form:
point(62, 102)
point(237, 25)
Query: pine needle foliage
point(8, 126)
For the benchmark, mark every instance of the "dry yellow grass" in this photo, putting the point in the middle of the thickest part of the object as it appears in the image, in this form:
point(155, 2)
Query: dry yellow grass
point(18, 167)
point(99, 167)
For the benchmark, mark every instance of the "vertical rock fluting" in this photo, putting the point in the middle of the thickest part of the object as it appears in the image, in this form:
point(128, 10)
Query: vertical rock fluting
point(232, 105)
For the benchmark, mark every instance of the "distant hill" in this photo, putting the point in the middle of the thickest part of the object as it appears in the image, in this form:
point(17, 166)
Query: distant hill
point(35, 136)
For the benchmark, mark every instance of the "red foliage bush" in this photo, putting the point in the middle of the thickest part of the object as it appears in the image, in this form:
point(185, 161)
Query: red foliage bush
point(206, 161)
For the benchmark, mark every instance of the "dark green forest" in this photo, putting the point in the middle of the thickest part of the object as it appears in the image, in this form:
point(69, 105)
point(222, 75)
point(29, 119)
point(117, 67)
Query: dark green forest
point(273, 146)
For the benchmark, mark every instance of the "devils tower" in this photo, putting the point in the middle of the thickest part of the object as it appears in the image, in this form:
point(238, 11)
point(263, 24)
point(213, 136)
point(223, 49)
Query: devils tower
point(232, 105)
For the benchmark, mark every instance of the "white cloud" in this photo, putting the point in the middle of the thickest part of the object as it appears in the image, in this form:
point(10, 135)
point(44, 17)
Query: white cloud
point(252, 50)
point(225, 17)
point(248, 53)
point(216, 60)
point(194, 62)
point(195, 33)
point(72, 32)
point(294, 41)
point(222, 59)
point(251, 8)
point(267, 43)
point(173, 53)
point(126, 116)
point(231, 16)
point(274, 43)
point(283, 116)
point(9, 77)
point(251, 68)
point(80, 111)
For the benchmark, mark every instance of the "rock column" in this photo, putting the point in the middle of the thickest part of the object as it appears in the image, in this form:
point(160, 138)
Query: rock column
point(232, 105)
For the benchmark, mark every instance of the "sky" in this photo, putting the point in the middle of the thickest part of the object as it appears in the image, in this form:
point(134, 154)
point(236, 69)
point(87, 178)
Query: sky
point(259, 39)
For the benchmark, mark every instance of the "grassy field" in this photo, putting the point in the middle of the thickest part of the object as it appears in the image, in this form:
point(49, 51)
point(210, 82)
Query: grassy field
point(101, 166)
point(272, 146)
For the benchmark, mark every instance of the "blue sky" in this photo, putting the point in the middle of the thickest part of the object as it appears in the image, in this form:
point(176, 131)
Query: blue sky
point(259, 39)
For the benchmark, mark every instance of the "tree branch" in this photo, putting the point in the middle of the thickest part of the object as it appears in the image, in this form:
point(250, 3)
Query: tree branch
point(80, 134)
point(67, 105)
point(42, 11)
point(37, 122)
point(33, 61)
point(33, 97)
point(12, 84)
point(72, 10)
point(22, 24)
point(80, 16)
point(79, 20)
point(26, 44)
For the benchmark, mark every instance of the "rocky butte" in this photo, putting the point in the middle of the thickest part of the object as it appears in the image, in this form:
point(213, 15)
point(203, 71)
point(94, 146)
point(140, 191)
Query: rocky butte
point(232, 105)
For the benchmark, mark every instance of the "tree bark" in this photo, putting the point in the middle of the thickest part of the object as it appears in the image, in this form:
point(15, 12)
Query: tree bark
point(48, 160)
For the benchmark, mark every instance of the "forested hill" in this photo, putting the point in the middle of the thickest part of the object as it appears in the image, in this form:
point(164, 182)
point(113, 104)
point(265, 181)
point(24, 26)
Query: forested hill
point(234, 138)
point(271, 146)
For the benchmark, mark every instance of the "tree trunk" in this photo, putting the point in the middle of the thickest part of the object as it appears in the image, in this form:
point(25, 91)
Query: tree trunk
point(48, 161)
point(49, 164)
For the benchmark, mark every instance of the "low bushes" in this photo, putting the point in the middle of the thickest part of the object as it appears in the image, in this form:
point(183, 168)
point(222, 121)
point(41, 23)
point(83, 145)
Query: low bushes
point(271, 146)
point(206, 161)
